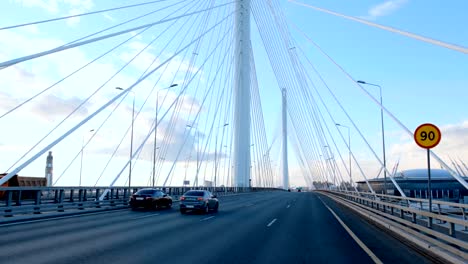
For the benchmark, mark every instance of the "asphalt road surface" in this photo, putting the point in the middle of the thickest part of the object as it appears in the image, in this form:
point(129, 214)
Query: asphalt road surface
point(269, 227)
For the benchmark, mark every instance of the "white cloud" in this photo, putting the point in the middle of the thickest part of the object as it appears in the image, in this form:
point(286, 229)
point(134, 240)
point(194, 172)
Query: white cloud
point(109, 17)
point(74, 20)
point(13, 148)
point(84, 4)
point(384, 9)
point(55, 6)
point(32, 29)
point(20, 82)
point(145, 59)
point(134, 34)
point(50, 6)
point(7, 102)
point(52, 106)
point(454, 144)
point(61, 7)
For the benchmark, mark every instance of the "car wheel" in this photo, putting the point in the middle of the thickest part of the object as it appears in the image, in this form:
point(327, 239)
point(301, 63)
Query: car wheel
point(182, 211)
point(133, 208)
point(169, 204)
point(216, 208)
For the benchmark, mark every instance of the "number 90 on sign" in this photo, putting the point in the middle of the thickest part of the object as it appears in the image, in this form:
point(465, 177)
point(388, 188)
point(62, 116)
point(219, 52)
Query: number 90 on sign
point(427, 136)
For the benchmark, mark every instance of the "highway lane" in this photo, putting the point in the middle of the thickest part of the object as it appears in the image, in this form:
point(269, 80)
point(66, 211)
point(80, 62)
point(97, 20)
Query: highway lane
point(275, 227)
point(388, 248)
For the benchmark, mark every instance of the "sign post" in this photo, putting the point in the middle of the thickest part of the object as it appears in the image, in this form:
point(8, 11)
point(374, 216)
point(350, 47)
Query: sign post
point(428, 136)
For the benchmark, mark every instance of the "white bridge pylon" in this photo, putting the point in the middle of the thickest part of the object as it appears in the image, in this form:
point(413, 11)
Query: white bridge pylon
point(242, 99)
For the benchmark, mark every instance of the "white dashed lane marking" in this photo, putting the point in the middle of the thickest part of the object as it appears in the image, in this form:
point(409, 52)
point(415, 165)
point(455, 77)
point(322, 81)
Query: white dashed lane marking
point(145, 216)
point(207, 218)
point(272, 222)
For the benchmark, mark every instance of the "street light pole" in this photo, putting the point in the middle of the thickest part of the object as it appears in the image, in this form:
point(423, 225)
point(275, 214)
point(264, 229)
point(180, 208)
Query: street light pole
point(349, 152)
point(82, 148)
point(250, 173)
point(197, 150)
point(383, 133)
point(327, 158)
point(227, 180)
point(216, 154)
point(131, 139)
point(156, 130)
point(131, 145)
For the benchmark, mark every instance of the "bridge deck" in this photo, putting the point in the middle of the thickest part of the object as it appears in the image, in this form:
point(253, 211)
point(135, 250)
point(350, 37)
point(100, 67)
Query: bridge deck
point(276, 227)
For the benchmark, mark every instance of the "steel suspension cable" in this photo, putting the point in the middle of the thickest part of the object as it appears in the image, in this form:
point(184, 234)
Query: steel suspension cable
point(81, 43)
point(168, 136)
point(79, 15)
point(12, 173)
point(434, 155)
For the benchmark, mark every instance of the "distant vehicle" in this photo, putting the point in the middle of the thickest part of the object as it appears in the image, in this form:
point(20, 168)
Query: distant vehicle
point(198, 200)
point(150, 198)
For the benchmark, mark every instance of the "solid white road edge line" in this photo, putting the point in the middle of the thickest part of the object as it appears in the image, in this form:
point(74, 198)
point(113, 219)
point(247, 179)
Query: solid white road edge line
point(358, 241)
point(56, 218)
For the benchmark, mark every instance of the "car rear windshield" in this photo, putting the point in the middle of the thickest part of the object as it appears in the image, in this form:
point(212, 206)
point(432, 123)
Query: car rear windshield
point(195, 193)
point(145, 192)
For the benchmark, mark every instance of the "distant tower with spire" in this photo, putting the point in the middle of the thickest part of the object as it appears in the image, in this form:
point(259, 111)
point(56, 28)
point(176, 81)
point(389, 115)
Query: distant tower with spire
point(49, 169)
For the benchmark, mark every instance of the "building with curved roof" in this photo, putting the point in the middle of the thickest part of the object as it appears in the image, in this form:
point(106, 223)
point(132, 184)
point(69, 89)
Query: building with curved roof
point(414, 184)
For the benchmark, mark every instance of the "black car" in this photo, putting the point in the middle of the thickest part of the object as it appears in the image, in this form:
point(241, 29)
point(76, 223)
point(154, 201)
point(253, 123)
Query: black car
point(198, 200)
point(150, 198)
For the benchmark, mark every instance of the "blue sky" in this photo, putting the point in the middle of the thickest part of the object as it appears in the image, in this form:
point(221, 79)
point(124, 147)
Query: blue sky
point(421, 82)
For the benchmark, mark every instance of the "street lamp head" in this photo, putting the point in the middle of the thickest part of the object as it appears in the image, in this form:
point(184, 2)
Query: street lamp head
point(173, 85)
point(363, 82)
point(338, 124)
point(129, 91)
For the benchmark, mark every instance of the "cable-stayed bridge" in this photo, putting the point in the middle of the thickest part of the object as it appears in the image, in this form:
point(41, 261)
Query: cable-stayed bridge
point(215, 95)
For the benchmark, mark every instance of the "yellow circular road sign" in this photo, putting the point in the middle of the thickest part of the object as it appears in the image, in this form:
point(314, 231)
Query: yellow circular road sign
point(427, 136)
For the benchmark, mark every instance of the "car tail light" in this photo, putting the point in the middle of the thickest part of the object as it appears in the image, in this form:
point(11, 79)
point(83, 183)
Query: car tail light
point(148, 198)
point(200, 199)
point(182, 198)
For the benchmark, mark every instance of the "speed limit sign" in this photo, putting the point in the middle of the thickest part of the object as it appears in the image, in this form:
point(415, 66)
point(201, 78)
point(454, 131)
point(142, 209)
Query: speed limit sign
point(427, 136)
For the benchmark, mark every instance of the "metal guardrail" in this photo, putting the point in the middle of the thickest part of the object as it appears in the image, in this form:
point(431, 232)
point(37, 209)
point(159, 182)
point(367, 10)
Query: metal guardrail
point(438, 225)
point(438, 206)
point(37, 200)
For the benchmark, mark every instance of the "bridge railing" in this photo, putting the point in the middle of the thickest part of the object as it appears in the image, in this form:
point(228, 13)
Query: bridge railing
point(441, 224)
point(37, 200)
point(438, 206)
